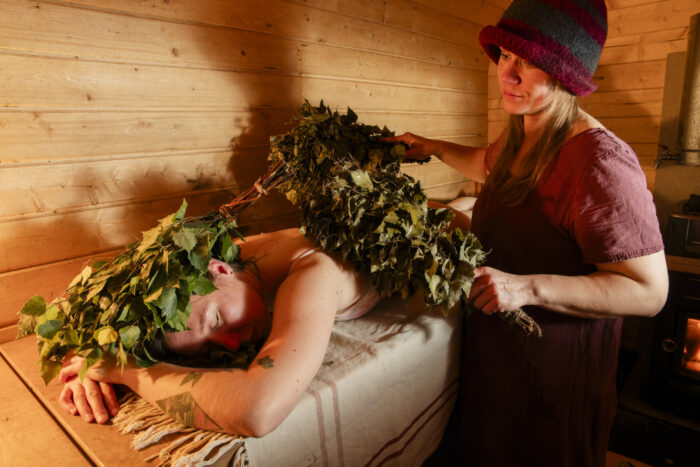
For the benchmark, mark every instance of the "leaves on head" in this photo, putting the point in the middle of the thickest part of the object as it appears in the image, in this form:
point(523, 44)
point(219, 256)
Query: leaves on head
point(122, 305)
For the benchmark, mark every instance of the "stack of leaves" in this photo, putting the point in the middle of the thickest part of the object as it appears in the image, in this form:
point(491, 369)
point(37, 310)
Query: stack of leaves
point(124, 305)
point(357, 204)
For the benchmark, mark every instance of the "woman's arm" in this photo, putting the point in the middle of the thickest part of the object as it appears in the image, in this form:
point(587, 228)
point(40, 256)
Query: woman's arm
point(250, 402)
point(467, 160)
point(635, 287)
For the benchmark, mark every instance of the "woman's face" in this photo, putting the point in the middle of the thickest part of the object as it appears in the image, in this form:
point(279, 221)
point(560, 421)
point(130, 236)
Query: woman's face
point(231, 315)
point(526, 89)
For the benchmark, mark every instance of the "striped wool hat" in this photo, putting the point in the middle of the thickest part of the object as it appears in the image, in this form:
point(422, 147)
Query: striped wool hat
point(562, 37)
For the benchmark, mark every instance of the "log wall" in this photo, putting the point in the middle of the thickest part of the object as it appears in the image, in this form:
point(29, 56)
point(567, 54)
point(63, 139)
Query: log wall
point(113, 111)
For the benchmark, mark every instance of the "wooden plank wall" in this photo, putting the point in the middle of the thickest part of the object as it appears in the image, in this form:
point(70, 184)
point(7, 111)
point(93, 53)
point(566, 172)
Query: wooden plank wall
point(112, 111)
point(630, 75)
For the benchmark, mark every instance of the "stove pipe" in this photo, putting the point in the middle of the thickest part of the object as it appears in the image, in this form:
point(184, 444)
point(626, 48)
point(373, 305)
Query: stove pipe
point(689, 131)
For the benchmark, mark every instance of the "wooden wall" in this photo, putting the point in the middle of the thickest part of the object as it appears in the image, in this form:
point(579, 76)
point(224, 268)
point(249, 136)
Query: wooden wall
point(112, 111)
point(630, 75)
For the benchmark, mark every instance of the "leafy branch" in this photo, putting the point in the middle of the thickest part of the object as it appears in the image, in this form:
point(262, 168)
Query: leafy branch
point(355, 203)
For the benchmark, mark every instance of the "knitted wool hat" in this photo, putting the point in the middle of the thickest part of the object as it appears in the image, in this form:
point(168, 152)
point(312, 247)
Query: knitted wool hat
point(562, 37)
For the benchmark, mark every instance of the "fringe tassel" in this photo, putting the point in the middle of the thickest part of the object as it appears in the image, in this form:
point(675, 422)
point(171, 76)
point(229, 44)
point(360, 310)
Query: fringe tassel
point(191, 446)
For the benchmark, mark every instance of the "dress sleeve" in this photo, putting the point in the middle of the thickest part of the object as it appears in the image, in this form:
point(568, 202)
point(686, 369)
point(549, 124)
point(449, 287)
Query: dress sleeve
point(614, 215)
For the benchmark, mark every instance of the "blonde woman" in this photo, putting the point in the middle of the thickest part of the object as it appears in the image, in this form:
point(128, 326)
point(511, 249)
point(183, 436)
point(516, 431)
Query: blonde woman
point(573, 239)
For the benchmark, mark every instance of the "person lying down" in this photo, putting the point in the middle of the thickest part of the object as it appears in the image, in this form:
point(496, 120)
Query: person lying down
point(308, 289)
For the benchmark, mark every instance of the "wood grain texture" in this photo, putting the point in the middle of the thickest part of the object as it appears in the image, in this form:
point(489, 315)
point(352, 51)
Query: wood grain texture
point(30, 436)
point(49, 281)
point(103, 445)
point(285, 19)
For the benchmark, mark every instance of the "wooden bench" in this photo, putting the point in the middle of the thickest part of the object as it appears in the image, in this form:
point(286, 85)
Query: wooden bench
point(35, 431)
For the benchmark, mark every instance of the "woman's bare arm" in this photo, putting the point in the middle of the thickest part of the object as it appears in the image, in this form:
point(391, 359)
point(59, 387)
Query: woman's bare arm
point(467, 160)
point(634, 287)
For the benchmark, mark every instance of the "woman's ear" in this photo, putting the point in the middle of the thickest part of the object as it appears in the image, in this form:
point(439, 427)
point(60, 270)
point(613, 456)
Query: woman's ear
point(217, 268)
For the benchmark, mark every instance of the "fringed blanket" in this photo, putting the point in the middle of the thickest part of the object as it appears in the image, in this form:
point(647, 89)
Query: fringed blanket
point(185, 446)
point(382, 397)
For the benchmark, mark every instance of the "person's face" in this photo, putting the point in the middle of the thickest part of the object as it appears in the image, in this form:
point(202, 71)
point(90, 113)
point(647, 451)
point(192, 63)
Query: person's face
point(526, 89)
point(231, 315)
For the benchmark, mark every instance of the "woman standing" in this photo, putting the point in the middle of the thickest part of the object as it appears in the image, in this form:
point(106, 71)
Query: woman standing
point(573, 238)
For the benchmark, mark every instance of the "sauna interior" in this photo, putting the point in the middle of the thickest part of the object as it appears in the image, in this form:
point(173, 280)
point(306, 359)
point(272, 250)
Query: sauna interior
point(114, 111)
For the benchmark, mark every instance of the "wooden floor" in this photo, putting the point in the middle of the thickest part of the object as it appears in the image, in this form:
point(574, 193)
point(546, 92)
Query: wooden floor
point(617, 460)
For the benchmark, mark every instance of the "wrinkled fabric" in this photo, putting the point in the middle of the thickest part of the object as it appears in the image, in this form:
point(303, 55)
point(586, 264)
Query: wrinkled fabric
point(551, 400)
point(382, 396)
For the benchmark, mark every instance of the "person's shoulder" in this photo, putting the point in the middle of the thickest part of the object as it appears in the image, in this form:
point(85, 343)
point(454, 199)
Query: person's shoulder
point(591, 136)
point(598, 144)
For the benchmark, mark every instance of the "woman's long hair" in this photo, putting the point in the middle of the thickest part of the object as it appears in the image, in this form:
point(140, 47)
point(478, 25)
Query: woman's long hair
point(557, 121)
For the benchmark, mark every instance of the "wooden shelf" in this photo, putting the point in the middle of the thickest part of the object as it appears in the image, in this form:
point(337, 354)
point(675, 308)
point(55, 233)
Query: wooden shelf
point(683, 264)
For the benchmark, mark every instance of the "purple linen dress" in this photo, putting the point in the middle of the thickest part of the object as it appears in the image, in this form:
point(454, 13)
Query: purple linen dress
point(551, 400)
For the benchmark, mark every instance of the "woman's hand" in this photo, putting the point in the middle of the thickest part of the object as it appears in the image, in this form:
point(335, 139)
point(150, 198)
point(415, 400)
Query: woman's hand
point(93, 398)
point(494, 290)
point(419, 148)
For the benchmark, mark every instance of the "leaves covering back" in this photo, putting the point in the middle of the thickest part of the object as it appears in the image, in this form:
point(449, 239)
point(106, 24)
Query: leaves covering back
point(357, 204)
point(124, 305)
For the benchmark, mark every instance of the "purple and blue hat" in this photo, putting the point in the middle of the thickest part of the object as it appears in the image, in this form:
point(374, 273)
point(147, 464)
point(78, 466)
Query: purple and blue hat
point(562, 37)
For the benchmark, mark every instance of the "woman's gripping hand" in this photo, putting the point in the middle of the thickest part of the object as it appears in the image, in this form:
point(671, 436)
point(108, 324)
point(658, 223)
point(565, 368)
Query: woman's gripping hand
point(418, 148)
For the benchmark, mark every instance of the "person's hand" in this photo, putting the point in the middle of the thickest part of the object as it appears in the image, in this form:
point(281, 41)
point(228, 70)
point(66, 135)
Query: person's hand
point(92, 400)
point(105, 370)
point(419, 148)
point(494, 290)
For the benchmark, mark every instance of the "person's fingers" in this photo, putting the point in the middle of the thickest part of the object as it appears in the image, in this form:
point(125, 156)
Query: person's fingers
point(480, 301)
point(406, 138)
point(71, 367)
point(93, 394)
point(491, 306)
point(65, 400)
point(416, 153)
point(81, 402)
point(110, 398)
point(477, 288)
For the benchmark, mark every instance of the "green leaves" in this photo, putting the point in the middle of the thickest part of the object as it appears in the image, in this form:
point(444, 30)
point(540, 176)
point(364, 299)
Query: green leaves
point(357, 204)
point(35, 306)
point(121, 306)
point(48, 329)
point(129, 336)
point(106, 335)
point(185, 239)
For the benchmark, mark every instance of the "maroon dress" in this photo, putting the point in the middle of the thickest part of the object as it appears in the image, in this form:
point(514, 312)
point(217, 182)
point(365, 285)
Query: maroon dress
point(551, 400)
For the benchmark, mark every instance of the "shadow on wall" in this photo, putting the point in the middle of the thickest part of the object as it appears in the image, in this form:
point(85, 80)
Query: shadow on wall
point(265, 87)
point(245, 89)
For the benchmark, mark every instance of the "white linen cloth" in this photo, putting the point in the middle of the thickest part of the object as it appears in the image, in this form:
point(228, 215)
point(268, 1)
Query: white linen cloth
point(382, 397)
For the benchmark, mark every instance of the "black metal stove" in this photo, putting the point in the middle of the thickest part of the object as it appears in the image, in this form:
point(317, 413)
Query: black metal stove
point(675, 360)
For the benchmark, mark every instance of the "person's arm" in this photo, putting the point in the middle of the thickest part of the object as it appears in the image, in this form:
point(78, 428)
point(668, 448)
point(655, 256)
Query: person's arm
point(250, 402)
point(467, 160)
point(634, 287)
